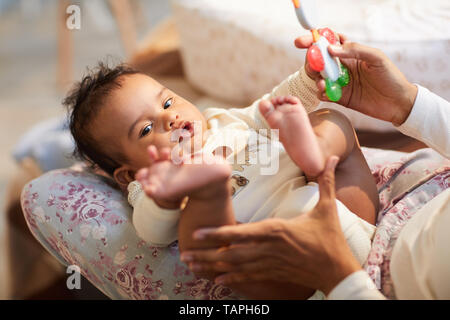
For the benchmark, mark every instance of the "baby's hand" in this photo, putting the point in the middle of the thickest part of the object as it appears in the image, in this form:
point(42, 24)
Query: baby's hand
point(151, 179)
point(168, 183)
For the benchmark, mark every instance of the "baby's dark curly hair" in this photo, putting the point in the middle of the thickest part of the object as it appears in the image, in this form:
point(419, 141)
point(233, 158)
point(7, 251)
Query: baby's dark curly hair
point(83, 102)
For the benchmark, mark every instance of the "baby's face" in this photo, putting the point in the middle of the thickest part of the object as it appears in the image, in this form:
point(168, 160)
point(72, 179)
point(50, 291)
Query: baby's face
point(142, 113)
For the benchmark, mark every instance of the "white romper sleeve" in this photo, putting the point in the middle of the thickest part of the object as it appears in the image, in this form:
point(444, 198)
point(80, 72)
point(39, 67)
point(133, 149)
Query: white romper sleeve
point(155, 225)
point(297, 84)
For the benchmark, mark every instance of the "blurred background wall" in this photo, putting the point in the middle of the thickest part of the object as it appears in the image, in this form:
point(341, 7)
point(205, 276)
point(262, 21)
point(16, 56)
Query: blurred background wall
point(31, 85)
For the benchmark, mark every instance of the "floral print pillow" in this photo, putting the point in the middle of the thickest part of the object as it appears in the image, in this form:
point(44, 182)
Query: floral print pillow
point(82, 220)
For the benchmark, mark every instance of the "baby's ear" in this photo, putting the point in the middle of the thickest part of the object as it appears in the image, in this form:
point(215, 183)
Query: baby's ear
point(123, 176)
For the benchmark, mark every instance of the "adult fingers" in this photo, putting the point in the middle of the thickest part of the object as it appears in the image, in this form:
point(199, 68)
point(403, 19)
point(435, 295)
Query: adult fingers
point(234, 254)
point(267, 229)
point(353, 50)
point(303, 42)
point(240, 277)
point(221, 267)
point(342, 38)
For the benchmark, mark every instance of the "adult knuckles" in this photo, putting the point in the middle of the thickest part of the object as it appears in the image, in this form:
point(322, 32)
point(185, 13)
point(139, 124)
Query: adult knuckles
point(276, 228)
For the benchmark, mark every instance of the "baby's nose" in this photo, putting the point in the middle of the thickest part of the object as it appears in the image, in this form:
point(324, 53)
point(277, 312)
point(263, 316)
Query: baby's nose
point(169, 121)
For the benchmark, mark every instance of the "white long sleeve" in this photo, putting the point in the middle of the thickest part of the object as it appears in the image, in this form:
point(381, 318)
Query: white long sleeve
point(420, 262)
point(357, 286)
point(155, 225)
point(429, 121)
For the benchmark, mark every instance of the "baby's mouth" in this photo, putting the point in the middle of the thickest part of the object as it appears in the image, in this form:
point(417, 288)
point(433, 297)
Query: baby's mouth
point(187, 128)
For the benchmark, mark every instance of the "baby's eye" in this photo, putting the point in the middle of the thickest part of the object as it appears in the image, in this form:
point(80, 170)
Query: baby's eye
point(147, 129)
point(168, 103)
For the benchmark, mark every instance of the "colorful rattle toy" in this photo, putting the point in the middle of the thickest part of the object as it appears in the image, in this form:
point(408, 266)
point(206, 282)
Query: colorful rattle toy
point(335, 74)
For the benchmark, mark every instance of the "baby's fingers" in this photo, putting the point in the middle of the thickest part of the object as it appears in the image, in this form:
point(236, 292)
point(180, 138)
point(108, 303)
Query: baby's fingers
point(321, 94)
point(153, 153)
point(142, 175)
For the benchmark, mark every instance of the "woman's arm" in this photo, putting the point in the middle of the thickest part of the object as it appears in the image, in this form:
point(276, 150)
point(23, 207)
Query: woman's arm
point(356, 286)
point(429, 121)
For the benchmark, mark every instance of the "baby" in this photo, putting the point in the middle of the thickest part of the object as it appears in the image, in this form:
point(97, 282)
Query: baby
point(125, 123)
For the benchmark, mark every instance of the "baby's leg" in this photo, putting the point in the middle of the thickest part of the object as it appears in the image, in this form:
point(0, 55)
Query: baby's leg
point(311, 139)
point(288, 116)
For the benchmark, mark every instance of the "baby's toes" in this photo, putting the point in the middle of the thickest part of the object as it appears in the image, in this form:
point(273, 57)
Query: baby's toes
point(292, 100)
point(142, 175)
point(276, 101)
point(272, 115)
point(157, 189)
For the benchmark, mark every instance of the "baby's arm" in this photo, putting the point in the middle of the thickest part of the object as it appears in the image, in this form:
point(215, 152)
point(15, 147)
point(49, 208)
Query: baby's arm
point(297, 84)
point(154, 224)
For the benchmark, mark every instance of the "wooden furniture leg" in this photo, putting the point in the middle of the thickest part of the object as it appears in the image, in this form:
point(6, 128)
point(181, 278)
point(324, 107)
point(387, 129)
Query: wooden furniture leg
point(65, 48)
point(123, 14)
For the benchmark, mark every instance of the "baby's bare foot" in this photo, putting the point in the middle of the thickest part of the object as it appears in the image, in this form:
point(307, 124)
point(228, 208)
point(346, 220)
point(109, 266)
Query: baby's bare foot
point(167, 181)
point(296, 133)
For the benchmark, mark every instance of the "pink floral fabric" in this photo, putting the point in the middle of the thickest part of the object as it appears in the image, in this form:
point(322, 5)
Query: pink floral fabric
point(82, 220)
point(404, 185)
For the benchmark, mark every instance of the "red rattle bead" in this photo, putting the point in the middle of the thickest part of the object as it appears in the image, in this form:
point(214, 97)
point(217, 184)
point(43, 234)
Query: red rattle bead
point(315, 58)
point(329, 34)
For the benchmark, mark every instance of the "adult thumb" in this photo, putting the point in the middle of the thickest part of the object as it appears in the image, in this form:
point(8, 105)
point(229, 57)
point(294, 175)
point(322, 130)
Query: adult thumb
point(353, 50)
point(326, 180)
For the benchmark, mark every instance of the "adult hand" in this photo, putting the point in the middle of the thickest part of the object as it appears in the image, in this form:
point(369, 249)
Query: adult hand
point(377, 87)
point(309, 250)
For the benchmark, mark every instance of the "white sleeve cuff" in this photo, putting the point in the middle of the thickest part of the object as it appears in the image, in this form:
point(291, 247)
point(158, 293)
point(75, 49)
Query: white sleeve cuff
point(411, 126)
point(357, 286)
point(428, 121)
point(156, 225)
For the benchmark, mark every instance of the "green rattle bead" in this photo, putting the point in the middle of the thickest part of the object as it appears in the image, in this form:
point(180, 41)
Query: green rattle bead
point(333, 90)
point(344, 77)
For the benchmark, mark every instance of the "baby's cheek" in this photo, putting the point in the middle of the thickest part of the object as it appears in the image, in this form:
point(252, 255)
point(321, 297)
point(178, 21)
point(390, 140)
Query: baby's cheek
point(140, 159)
